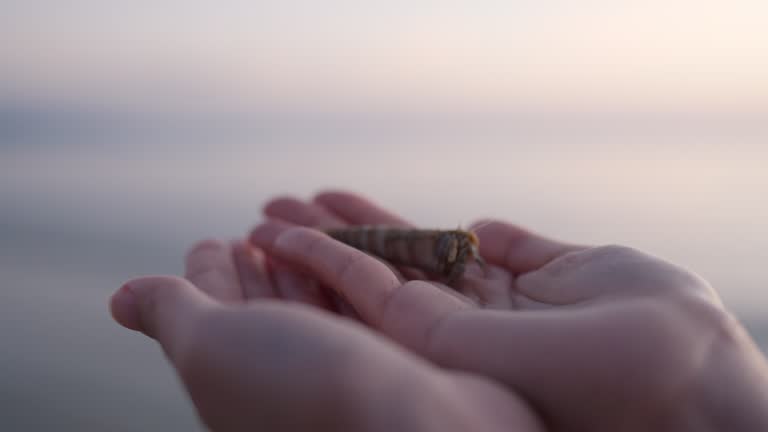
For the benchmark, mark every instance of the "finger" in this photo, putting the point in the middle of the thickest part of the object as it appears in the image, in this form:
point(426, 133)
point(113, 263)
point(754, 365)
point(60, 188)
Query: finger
point(343, 308)
point(210, 267)
point(294, 286)
point(405, 311)
point(359, 278)
point(287, 282)
point(162, 307)
point(490, 287)
point(494, 288)
point(609, 271)
point(251, 265)
point(356, 210)
point(267, 232)
point(301, 213)
point(516, 249)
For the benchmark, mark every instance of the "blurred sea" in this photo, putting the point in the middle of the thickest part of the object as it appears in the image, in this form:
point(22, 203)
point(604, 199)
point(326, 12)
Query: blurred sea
point(87, 203)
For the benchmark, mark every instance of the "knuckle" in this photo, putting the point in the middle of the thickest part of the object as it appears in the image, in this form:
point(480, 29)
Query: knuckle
point(416, 311)
point(399, 299)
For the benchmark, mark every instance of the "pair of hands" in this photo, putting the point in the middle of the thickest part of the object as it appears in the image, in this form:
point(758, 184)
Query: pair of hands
point(296, 331)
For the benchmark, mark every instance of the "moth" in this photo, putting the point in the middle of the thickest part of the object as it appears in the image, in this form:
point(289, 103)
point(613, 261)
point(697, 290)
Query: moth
point(444, 253)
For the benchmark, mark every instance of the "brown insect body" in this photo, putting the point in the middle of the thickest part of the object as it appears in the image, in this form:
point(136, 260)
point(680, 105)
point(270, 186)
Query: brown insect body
point(442, 252)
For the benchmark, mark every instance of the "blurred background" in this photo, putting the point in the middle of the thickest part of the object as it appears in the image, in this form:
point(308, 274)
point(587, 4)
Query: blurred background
point(131, 129)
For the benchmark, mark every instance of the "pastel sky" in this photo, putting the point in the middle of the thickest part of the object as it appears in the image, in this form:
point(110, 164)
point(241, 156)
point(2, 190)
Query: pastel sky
point(681, 55)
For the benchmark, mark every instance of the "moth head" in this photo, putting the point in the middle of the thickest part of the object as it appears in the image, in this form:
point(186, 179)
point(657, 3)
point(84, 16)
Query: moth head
point(474, 247)
point(473, 240)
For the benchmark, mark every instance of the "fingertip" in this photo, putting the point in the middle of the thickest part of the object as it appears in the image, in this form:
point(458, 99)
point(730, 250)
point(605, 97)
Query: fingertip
point(481, 224)
point(123, 308)
point(300, 212)
point(334, 195)
point(491, 224)
point(337, 198)
point(242, 249)
point(355, 209)
point(209, 243)
point(156, 305)
point(289, 238)
point(257, 236)
point(203, 246)
point(240, 246)
point(265, 234)
point(280, 205)
point(516, 248)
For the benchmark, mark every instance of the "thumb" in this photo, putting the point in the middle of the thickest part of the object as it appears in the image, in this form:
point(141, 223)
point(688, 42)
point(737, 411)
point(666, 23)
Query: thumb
point(161, 307)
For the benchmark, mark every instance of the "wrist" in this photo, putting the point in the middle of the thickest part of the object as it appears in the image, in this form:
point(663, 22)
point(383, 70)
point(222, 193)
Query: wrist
point(727, 388)
point(732, 390)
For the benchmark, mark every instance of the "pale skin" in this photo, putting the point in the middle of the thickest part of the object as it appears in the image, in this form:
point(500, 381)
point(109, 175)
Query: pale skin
point(550, 337)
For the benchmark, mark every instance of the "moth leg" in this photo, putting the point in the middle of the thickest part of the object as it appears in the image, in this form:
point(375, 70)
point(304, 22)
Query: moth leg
point(457, 267)
point(479, 259)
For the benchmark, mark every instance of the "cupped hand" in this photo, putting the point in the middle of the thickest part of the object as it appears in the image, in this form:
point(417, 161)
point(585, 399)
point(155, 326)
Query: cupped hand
point(596, 338)
point(251, 362)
